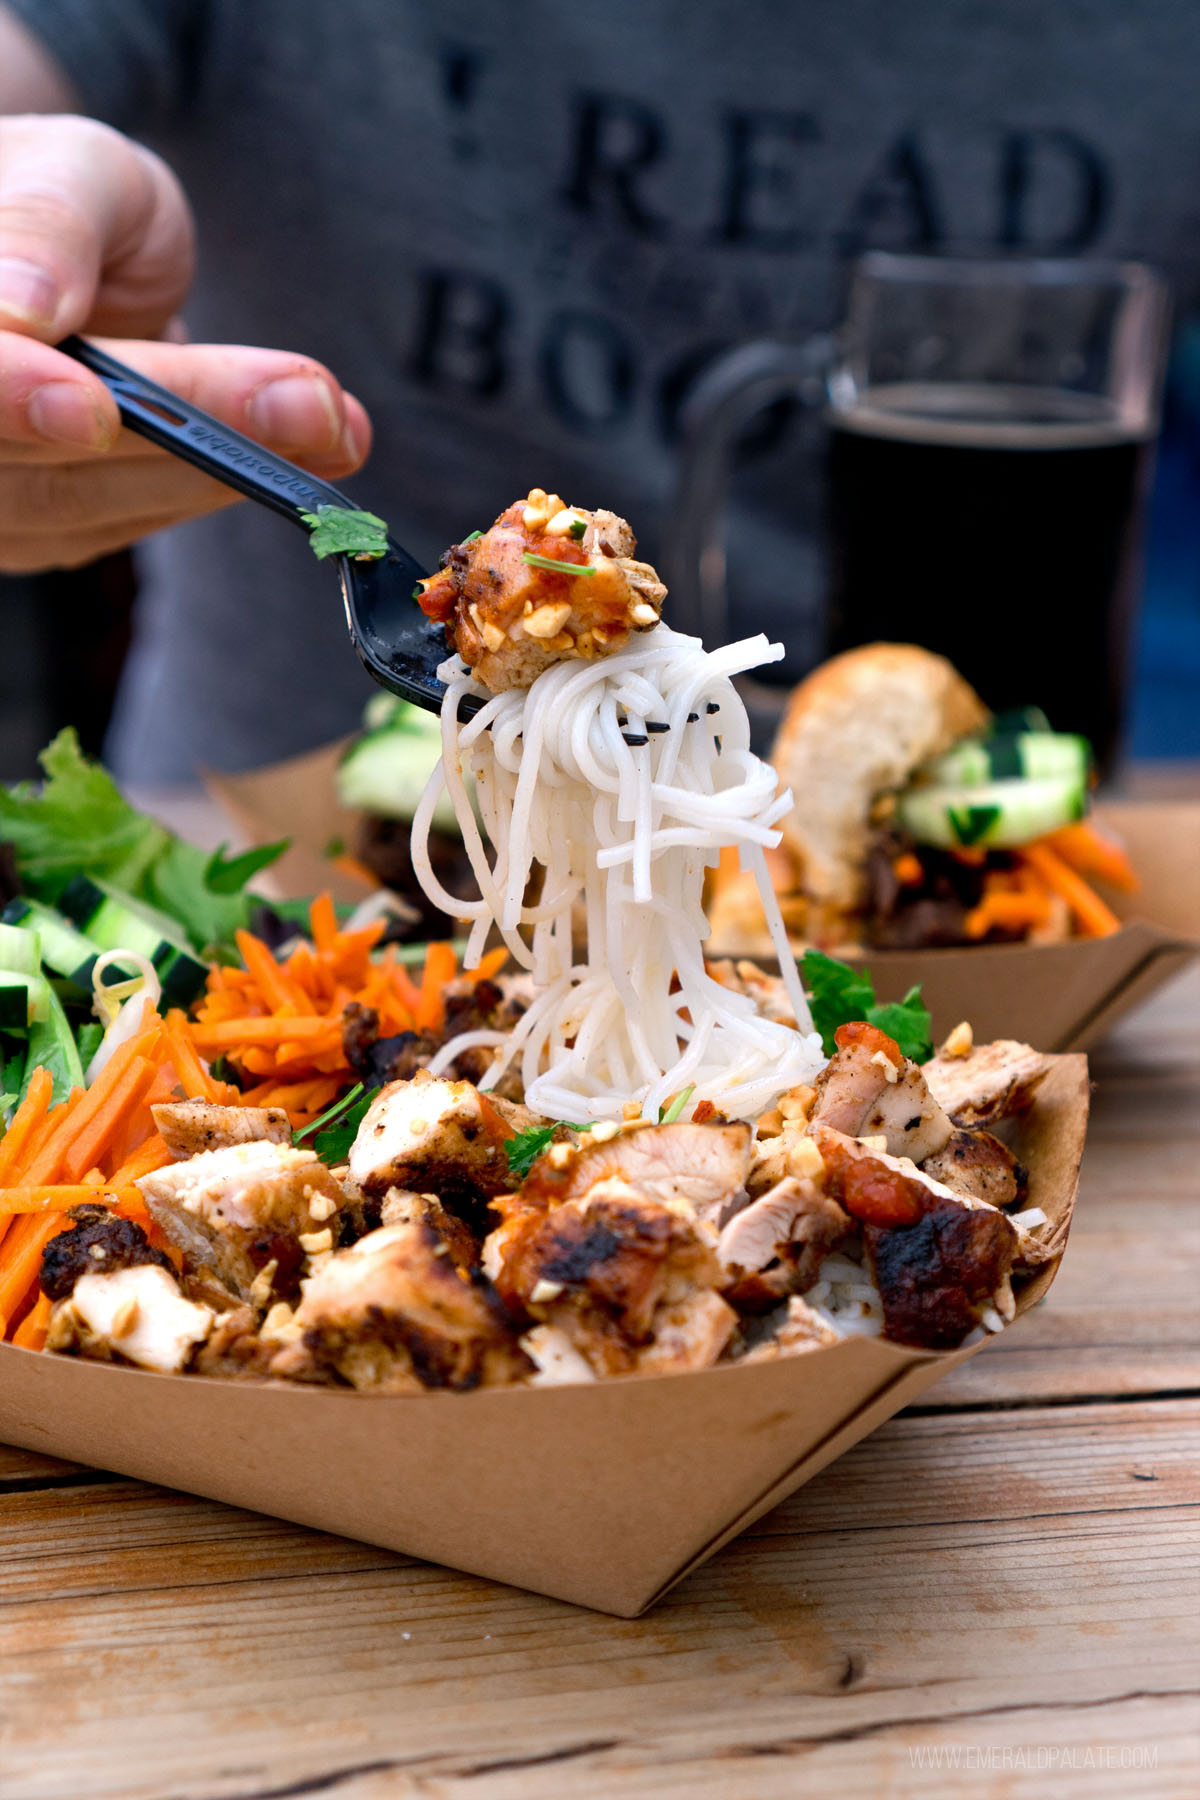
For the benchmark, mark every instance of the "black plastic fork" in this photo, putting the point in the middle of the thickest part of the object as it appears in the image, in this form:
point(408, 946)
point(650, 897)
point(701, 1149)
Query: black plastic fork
point(399, 647)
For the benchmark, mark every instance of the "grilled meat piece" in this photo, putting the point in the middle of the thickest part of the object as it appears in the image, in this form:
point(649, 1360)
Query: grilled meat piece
point(436, 1136)
point(801, 1328)
point(98, 1243)
point(509, 619)
point(394, 1315)
point(376, 1060)
point(936, 1277)
point(938, 1258)
point(400, 1207)
point(237, 1211)
point(990, 1082)
point(385, 846)
point(611, 1268)
point(134, 1314)
point(702, 1167)
point(775, 1246)
point(188, 1127)
point(869, 1089)
point(234, 1349)
point(976, 1163)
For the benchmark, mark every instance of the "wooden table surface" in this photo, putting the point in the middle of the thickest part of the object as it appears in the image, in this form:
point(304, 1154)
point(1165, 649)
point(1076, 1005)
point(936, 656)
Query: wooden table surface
point(997, 1594)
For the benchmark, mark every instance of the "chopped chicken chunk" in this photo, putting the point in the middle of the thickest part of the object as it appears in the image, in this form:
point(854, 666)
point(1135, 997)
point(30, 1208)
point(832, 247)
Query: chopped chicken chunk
point(136, 1314)
point(989, 1083)
point(189, 1126)
point(434, 1135)
point(393, 1314)
point(975, 1162)
point(236, 1212)
point(510, 619)
point(775, 1246)
point(869, 1089)
point(235, 1349)
point(400, 1207)
point(939, 1259)
point(704, 1167)
point(98, 1243)
point(802, 1328)
point(608, 1270)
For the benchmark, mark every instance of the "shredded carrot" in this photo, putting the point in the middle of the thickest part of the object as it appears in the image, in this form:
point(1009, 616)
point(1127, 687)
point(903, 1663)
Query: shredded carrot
point(29, 1114)
point(151, 1155)
point(26, 1241)
point(907, 869)
point(1084, 848)
point(322, 919)
point(31, 1332)
point(125, 1096)
point(488, 965)
point(16, 1201)
point(1092, 917)
point(440, 967)
point(356, 870)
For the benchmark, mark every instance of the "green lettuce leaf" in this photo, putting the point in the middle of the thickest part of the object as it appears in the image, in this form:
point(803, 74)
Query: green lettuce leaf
point(78, 821)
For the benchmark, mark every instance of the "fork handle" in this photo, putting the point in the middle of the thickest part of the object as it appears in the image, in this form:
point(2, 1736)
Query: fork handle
point(174, 423)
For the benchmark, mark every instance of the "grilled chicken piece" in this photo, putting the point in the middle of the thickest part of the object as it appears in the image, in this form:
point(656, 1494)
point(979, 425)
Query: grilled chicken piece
point(400, 1207)
point(701, 1167)
point(989, 1083)
point(189, 1126)
point(869, 1089)
point(509, 619)
point(556, 1359)
point(775, 1246)
point(393, 1314)
point(939, 1259)
point(249, 1215)
point(98, 1243)
point(802, 1328)
point(434, 1135)
point(611, 1268)
point(235, 1349)
point(134, 1314)
point(976, 1163)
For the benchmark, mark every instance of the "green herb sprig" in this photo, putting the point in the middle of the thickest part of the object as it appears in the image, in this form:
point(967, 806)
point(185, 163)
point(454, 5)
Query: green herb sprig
point(344, 531)
point(523, 1150)
point(337, 1127)
point(555, 564)
point(838, 994)
point(667, 1115)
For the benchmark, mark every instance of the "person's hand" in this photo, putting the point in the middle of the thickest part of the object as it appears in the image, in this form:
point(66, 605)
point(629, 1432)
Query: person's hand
point(96, 236)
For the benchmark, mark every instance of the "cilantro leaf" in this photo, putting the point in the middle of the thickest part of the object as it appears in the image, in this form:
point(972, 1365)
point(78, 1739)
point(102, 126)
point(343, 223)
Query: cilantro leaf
point(344, 531)
point(523, 1150)
point(337, 1127)
point(838, 994)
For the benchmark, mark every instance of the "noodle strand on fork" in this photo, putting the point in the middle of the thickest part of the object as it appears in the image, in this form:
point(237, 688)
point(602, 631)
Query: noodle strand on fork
point(629, 829)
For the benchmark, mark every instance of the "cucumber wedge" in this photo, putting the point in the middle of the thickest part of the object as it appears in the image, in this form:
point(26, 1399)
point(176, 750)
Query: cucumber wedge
point(64, 947)
point(1034, 755)
point(991, 815)
point(112, 920)
point(386, 771)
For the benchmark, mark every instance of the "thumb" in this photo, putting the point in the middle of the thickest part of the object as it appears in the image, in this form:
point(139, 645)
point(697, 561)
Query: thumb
point(95, 231)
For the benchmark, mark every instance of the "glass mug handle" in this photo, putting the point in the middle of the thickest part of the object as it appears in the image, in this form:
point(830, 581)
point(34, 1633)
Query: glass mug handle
point(733, 390)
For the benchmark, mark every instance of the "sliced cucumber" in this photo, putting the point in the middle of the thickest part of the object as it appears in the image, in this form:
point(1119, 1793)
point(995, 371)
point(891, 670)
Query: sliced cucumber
point(112, 920)
point(1032, 755)
point(20, 950)
point(25, 999)
point(991, 815)
point(64, 947)
point(387, 770)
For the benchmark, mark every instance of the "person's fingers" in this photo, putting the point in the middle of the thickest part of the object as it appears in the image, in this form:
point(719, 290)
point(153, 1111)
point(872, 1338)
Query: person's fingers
point(51, 408)
point(94, 231)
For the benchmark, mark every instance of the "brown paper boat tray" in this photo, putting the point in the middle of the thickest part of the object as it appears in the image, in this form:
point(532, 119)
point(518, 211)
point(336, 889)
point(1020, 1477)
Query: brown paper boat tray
point(604, 1494)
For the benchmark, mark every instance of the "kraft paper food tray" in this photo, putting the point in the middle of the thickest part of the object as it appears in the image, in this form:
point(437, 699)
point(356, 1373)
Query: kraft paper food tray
point(604, 1494)
point(1066, 996)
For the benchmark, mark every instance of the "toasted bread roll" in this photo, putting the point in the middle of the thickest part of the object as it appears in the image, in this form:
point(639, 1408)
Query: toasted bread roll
point(854, 730)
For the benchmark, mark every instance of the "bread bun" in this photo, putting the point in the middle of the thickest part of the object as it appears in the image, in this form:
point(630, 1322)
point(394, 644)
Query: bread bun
point(854, 730)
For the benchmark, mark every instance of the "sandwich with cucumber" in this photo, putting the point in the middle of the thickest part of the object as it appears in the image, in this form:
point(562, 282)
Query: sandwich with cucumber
point(921, 820)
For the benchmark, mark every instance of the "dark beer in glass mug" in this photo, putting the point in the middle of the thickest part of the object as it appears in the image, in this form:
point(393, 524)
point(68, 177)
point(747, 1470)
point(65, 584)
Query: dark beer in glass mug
point(989, 458)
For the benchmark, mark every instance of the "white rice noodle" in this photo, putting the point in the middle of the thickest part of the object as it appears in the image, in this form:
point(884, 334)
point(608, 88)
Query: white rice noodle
point(627, 832)
point(846, 1298)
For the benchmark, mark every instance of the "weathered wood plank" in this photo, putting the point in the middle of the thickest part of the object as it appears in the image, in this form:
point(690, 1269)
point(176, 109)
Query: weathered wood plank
point(1015, 1580)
